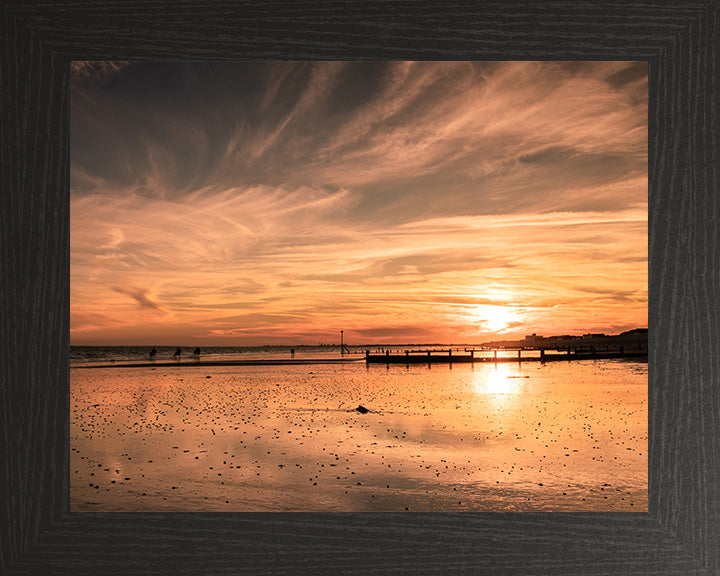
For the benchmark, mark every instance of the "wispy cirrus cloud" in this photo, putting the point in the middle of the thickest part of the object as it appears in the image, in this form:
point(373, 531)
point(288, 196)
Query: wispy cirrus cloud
point(140, 296)
point(366, 195)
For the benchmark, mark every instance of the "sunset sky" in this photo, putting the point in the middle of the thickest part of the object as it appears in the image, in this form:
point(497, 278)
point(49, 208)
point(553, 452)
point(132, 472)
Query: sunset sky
point(401, 202)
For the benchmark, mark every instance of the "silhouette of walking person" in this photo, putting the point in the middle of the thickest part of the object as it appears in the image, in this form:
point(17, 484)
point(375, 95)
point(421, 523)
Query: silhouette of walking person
point(196, 353)
point(153, 353)
point(177, 354)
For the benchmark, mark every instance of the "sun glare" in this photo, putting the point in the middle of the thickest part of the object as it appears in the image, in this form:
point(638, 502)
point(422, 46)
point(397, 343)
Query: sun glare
point(495, 318)
point(496, 380)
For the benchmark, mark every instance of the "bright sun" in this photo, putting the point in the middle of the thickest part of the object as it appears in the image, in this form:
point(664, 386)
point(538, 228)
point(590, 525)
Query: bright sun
point(496, 318)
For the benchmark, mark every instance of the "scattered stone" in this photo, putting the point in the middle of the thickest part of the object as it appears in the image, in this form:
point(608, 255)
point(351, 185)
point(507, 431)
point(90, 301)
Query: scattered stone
point(362, 409)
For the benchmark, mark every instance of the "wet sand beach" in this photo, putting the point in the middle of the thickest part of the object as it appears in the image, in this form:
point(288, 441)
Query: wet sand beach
point(555, 437)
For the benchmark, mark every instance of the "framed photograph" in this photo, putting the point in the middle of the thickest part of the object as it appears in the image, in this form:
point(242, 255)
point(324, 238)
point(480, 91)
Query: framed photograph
point(395, 286)
point(277, 303)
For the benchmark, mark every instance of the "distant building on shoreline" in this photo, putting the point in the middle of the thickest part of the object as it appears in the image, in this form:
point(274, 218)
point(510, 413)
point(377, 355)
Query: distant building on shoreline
point(631, 339)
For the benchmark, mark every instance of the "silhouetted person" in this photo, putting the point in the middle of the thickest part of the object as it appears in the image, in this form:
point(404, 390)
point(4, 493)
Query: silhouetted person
point(177, 354)
point(292, 352)
point(197, 351)
point(153, 353)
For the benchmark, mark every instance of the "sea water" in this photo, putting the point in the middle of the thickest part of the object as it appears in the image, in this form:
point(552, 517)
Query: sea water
point(561, 436)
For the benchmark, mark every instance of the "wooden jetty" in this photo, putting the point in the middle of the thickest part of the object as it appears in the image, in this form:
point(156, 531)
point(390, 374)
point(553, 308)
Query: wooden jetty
point(465, 356)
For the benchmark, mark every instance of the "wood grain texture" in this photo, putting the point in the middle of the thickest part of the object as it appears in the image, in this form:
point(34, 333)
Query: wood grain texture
point(680, 534)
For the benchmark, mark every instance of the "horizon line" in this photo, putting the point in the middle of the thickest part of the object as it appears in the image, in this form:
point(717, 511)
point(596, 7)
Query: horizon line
point(499, 338)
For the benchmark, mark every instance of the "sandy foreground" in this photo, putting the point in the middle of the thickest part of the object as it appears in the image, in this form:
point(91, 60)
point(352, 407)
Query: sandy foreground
point(556, 437)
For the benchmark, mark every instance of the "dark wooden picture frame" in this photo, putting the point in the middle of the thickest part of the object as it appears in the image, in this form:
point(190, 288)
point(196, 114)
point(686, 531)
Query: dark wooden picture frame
point(681, 532)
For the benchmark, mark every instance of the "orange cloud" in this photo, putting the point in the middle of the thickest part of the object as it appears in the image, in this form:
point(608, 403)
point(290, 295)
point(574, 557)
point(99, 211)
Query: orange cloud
point(390, 200)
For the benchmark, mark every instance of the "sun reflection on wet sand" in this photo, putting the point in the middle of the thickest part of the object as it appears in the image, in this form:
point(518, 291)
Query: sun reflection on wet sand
point(485, 437)
point(497, 380)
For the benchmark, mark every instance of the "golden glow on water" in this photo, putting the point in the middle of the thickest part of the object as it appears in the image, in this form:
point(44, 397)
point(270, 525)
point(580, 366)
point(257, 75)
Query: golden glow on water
point(496, 380)
point(555, 437)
